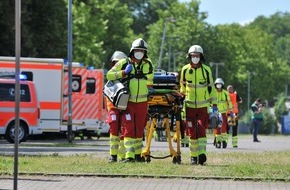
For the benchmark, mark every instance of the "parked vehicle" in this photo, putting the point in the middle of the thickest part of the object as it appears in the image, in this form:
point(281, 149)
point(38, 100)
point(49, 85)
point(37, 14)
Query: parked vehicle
point(50, 77)
point(29, 110)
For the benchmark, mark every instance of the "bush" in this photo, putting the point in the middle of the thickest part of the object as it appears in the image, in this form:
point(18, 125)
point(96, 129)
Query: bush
point(268, 126)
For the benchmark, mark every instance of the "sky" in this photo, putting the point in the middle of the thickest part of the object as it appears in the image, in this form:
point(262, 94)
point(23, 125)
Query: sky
point(241, 11)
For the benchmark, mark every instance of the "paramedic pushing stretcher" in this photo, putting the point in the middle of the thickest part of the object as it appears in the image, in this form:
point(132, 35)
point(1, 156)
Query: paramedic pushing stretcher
point(137, 73)
point(196, 84)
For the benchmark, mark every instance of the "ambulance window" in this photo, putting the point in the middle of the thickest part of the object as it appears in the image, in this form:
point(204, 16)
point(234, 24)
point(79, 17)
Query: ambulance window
point(7, 93)
point(91, 84)
point(28, 74)
point(76, 83)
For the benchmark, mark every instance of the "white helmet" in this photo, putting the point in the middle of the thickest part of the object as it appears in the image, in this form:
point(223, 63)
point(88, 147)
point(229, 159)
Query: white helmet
point(219, 81)
point(117, 55)
point(196, 49)
point(139, 44)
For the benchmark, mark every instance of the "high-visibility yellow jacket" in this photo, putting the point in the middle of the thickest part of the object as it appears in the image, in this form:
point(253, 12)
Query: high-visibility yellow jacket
point(196, 84)
point(138, 80)
point(222, 100)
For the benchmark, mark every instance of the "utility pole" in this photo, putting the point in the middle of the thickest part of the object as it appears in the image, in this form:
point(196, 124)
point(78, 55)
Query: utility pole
point(69, 52)
point(249, 96)
point(17, 89)
point(216, 67)
point(163, 40)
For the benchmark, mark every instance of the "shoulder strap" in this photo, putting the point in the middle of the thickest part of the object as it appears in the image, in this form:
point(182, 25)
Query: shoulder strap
point(209, 88)
point(184, 71)
point(150, 66)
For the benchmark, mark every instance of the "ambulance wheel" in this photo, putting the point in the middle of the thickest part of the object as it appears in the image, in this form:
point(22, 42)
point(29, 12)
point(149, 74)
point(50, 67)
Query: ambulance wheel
point(22, 134)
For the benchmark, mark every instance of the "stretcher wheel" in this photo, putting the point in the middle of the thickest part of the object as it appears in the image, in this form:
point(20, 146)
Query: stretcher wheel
point(148, 159)
point(176, 160)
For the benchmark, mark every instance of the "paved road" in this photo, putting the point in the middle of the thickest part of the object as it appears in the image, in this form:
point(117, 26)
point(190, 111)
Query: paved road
point(269, 143)
point(45, 147)
point(104, 183)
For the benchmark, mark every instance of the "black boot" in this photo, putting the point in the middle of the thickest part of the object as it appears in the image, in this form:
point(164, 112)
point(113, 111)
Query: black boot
point(113, 158)
point(138, 158)
point(193, 160)
point(225, 144)
point(201, 159)
point(218, 145)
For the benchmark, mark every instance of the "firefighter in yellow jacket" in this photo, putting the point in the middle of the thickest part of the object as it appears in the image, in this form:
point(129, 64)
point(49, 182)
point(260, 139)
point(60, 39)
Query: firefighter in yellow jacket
point(137, 72)
point(116, 135)
point(196, 83)
point(222, 99)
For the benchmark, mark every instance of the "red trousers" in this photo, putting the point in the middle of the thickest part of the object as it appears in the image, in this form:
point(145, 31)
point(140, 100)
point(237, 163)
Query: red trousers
point(194, 116)
point(134, 119)
point(223, 129)
point(114, 120)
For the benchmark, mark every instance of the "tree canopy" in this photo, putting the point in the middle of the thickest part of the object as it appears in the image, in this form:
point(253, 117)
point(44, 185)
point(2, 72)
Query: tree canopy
point(258, 52)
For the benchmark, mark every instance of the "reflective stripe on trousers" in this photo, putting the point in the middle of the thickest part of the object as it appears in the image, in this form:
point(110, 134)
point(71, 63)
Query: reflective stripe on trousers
point(130, 147)
point(121, 150)
point(114, 145)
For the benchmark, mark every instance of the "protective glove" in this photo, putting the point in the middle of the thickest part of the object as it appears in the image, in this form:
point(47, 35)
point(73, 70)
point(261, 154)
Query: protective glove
point(232, 114)
point(128, 69)
point(215, 109)
point(150, 90)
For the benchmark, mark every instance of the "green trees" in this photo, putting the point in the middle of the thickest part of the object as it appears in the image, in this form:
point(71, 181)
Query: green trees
point(100, 28)
point(259, 50)
point(43, 28)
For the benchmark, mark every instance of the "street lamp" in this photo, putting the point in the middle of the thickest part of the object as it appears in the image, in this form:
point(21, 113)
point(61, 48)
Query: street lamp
point(216, 67)
point(174, 59)
point(170, 54)
point(163, 40)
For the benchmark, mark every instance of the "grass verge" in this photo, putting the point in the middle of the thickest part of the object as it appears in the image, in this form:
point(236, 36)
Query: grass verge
point(233, 165)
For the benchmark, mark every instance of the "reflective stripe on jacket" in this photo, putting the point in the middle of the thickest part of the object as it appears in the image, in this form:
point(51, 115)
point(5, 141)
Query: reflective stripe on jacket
point(223, 101)
point(196, 83)
point(137, 83)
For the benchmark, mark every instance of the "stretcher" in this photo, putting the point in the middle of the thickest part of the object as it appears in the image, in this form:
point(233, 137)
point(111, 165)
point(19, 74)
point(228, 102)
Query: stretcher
point(165, 105)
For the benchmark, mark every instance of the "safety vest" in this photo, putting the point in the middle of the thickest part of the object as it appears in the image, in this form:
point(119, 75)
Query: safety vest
point(196, 84)
point(233, 97)
point(137, 80)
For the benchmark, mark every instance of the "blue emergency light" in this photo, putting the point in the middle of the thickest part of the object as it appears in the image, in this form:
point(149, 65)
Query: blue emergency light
point(22, 77)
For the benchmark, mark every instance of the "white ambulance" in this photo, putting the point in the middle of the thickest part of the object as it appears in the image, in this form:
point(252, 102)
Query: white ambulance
point(51, 80)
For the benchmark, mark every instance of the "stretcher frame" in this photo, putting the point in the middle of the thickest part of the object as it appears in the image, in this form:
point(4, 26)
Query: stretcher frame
point(164, 104)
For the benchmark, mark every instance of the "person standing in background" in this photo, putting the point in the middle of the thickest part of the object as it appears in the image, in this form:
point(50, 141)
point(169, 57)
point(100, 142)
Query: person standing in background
point(257, 118)
point(235, 99)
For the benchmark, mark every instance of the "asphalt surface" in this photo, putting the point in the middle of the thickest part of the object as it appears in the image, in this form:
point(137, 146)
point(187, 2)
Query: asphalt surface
point(62, 182)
